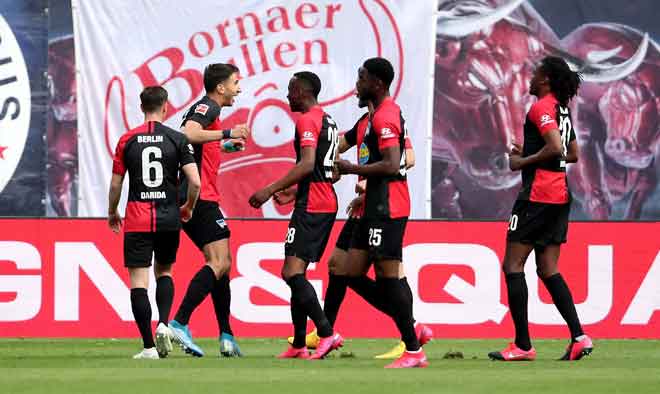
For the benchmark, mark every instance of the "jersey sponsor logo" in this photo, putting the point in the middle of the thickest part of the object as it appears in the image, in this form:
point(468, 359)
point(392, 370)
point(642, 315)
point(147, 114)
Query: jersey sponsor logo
point(153, 195)
point(308, 136)
point(363, 154)
point(546, 119)
point(201, 109)
point(386, 133)
point(149, 138)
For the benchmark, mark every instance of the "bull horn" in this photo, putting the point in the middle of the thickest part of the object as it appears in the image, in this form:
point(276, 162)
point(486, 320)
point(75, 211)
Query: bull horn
point(604, 72)
point(452, 24)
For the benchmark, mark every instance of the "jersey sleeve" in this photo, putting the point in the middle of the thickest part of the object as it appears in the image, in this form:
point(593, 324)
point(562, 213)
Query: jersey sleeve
point(118, 165)
point(202, 113)
point(351, 135)
point(186, 151)
point(308, 131)
point(544, 117)
point(387, 130)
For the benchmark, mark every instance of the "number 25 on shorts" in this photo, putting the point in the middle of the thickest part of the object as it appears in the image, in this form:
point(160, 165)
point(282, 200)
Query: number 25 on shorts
point(375, 236)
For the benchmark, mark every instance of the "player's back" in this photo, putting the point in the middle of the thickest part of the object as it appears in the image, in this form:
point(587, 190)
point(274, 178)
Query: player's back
point(316, 129)
point(152, 154)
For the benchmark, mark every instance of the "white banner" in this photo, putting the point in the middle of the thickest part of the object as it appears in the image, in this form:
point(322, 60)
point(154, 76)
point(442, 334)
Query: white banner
point(123, 46)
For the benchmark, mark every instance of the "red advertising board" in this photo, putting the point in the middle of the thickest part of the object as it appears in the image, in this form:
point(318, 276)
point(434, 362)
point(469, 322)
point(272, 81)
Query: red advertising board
point(65, 278)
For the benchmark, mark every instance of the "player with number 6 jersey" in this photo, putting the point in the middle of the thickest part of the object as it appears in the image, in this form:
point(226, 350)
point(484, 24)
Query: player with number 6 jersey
point(152, 154)
point(539, 219)
point(315, 143)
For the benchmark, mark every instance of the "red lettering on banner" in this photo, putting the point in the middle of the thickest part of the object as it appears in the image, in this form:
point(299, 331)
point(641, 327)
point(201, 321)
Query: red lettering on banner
point(281, 50)
point(283, 18)
point(323, 48)
point(175, 57)
point(193, 47)
point(306, 9)
point(223, 34)
point(255, 23)
point(331, 10)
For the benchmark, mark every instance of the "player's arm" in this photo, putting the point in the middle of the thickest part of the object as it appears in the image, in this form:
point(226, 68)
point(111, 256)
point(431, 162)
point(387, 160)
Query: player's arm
point(388, 134)
point(196, 133)
point(302, 169)
point(572, 153)
point(388, 166)
point(410, 154)
point(114, 194)
point(194, 185)
point(550, 151)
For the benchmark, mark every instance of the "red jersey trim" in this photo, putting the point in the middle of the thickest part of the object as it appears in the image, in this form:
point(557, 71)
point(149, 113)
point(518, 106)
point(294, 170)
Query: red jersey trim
point(321, 198)
point(399, 199)
point(138, 217)
point(549, 187)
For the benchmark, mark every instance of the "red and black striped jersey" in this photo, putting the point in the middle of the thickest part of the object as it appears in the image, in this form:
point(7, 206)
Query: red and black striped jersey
point(316, 129)
point(355, 137)
point(387, 196)
point(152, 154)
point(546, 182)
point(206, 112)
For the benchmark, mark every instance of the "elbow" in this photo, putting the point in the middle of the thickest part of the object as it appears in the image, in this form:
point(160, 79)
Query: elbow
point(195, 184)
point(392, 168)
point(556, 150)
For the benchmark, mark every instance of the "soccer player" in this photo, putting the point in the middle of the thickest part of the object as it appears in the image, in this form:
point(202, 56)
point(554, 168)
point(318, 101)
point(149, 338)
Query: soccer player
point(152, 154)
point(539, 219)
point(338, 269)
point(314, 214)
point(379, 234)
point(208, 229)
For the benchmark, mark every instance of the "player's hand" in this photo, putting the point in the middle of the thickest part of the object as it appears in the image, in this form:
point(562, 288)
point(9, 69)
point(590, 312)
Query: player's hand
point(355, 205)
point(516, 149)
point(361, 187)
point(186, 212)
point(285, 196)
point(260, 197)
point(114, 222)
point(515, 161)
point(240, 131)
point(343, 166)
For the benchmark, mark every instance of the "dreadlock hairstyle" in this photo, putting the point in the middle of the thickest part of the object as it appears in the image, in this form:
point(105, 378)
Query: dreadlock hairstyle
point(564, 82)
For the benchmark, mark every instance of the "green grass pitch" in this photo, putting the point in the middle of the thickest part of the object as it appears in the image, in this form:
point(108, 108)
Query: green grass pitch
point(105, 366)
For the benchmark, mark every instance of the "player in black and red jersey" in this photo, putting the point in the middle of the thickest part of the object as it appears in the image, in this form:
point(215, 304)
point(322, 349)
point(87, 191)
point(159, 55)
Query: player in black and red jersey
point(208, 229)
point(152, 154)
point(379, 235)
point(539, 219)
point(314, 213)
point(338, 268)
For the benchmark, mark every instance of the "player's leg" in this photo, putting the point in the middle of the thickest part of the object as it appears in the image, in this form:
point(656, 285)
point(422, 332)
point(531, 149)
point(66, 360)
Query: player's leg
point(138, 249)
point(165, 249)
point(546, 261)
point(514, 262)
point(337, 284)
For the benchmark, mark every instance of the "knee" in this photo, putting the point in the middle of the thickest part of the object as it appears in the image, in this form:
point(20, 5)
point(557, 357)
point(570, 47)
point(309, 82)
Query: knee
point(219, 265)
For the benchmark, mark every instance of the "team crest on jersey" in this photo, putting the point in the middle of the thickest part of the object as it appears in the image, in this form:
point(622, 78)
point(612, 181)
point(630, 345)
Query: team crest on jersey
point(545, 119)
point(201, 109)
point(363, 154)
point(221, 223)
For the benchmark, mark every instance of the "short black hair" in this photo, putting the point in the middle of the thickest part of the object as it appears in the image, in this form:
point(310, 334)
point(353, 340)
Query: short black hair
point(564, 82)
point(217, 73)
point(380, 68)
point(152, 98)
point(311, 80)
